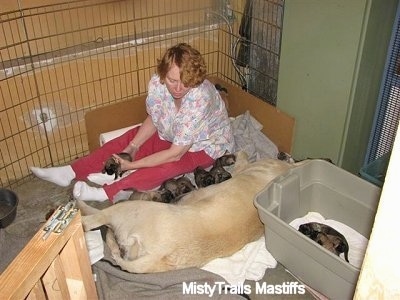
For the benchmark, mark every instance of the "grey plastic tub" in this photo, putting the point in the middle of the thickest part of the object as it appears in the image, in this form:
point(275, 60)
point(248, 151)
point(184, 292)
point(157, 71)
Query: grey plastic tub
point(322, 187)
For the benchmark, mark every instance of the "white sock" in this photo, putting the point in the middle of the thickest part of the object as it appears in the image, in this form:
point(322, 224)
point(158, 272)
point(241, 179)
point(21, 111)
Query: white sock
point(84, 192)
point(122, 195)
point(61, 176)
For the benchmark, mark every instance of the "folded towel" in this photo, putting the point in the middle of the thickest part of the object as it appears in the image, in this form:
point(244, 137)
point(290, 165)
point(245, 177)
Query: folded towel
point(95, 245)
point(248, 263)
point(357, 242)
point(102, 179)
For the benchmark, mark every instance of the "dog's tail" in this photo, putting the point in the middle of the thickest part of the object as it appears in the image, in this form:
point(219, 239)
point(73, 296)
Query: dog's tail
point(86, 209)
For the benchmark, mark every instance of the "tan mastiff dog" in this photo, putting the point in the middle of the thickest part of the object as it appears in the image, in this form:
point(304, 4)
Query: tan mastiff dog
point(208, 223)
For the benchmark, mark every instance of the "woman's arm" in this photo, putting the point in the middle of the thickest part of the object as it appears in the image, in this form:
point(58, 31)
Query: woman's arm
point(146, 130)
point(174, 153)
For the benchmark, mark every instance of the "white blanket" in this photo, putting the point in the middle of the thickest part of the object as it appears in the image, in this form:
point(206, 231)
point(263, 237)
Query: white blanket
point(357, 242)
point(248, 263)
point(108, 136)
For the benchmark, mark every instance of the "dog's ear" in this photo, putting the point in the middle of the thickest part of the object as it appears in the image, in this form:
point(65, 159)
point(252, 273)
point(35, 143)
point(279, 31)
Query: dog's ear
point(198, 169)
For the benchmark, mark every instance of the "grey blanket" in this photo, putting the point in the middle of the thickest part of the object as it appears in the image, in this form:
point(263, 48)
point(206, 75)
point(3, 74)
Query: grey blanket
point(113, 283)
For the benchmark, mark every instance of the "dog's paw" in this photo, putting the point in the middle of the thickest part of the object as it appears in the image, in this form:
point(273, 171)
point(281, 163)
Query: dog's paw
point(115, 254)
point(117, 257)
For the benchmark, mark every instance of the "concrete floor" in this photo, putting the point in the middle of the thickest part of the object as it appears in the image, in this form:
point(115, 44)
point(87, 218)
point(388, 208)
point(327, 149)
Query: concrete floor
point(37, 197)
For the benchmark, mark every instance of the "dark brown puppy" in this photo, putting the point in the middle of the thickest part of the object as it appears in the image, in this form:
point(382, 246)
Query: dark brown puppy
point(112, 166)
point(202, 177)
point(217, 174)
point(177, 187)
point(225, 160)
point(164, 196)
point(327, 237)
point(220, 174)
point(170, 191)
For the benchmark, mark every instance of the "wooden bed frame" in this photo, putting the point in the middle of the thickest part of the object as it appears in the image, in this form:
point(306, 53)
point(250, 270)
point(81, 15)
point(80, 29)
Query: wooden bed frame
point(277, 125)
point(59, 267)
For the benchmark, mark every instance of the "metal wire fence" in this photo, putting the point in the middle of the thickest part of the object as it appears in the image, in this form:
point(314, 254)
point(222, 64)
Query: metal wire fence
point(60, 59)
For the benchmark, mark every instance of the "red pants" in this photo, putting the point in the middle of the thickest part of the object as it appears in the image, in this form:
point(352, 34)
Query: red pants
point(145, 178)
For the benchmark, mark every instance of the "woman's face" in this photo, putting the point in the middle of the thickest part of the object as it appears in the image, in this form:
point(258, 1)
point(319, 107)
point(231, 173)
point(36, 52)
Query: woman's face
point(174, 84)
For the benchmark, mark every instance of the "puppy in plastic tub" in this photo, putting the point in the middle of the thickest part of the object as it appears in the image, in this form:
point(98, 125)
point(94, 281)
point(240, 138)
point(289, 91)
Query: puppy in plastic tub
point(8, 207)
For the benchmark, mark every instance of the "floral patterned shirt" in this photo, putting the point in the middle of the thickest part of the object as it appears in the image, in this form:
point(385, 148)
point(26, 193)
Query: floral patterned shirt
point(202, 120)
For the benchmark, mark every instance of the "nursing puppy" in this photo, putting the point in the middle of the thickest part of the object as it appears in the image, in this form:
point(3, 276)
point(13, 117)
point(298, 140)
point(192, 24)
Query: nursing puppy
point(327, 237)
point(217, 174)
point(220, 174)
point(208, 223)
point(112, 166)
point(164, 196)
point(225, 160)
point(170, 191)
point(178, 187)
point(203, 178)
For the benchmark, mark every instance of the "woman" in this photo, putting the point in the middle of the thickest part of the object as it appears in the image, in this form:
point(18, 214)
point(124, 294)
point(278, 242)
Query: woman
point(187, 126)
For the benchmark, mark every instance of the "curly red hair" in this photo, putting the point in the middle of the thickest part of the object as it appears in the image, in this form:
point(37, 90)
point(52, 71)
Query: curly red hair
point(189, 61)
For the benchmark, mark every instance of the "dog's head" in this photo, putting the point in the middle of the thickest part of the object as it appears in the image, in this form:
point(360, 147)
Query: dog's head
point(202, 177)
point(225, 160)
point(111, 166)
point(285, 157)
point(306, 229)
point(185, 185)
point(220, 174)
point(166, 196)
point(170, 185)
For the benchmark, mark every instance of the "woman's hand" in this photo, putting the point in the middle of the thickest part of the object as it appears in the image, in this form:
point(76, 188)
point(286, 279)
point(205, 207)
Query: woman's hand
point(146, 130)
point(131, 149)
point(125, 164)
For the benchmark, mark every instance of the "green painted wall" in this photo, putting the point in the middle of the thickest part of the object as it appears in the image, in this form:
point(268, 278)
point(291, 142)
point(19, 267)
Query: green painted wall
point(331, 51)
